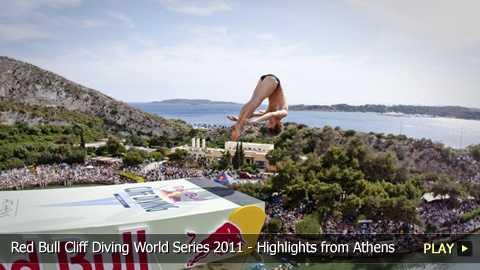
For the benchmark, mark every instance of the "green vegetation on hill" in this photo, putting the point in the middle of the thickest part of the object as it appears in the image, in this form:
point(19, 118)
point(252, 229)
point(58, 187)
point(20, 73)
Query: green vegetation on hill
point(47, 115)
point(23, 145)
point(350, 173)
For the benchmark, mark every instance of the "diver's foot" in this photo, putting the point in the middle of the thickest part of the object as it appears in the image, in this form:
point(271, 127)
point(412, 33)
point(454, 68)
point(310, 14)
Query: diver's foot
point(235, 133)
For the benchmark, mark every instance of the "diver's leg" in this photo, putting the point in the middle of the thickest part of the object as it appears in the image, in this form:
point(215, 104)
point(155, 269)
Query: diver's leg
point(263, 90)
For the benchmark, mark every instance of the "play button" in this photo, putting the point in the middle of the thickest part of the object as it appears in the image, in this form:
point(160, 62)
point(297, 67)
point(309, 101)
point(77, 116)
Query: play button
point(464, 248)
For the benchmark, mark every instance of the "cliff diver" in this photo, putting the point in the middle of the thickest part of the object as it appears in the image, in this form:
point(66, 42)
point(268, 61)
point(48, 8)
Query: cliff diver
point(268, 86)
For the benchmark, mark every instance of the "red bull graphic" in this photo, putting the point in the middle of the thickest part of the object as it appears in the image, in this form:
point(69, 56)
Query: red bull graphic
point(174, 196)
point(224, 179)
point(144, 197)
point(179, 191)
point(72, 253)
point(105, 228)
point(227, 234)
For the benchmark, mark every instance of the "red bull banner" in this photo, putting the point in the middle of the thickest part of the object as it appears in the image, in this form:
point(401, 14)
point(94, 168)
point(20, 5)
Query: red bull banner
point(158, 225)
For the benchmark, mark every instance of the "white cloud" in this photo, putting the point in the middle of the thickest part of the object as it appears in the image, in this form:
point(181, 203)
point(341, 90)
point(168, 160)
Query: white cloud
point(22, 32)
point(12, 8)
point(442, 23)
point(215, 66)
point(197, 7)
point(90, 23)
point(121, 17)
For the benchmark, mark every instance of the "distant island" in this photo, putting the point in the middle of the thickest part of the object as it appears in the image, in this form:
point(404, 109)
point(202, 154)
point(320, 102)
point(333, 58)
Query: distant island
point(440, 111)
point(193, 101)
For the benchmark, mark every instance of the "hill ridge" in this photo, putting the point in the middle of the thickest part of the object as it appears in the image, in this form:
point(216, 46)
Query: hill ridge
point(27, 84)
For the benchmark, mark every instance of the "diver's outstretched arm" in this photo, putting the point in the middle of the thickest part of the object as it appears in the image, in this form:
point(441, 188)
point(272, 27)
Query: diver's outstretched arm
point(233, 118)
point(267, 116)
point(259, 113)
point(255, 114)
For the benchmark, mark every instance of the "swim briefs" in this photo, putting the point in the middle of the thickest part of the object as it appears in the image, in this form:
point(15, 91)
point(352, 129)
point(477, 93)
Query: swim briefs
point(271, 75)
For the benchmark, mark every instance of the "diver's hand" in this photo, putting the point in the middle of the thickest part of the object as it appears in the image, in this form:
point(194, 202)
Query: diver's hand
point(233, 118)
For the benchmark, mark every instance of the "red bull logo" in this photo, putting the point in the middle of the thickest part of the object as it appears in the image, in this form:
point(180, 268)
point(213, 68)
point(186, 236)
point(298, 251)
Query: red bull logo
point(173, 196)
point(227, 238)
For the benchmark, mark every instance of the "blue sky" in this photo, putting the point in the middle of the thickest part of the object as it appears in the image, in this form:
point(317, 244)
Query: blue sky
point(325, 52)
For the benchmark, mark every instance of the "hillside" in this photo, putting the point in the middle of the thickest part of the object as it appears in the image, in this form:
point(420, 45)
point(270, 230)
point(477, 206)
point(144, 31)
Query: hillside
point(24, 88)
point(193, 101)
point(441, 111)
point(412, 155)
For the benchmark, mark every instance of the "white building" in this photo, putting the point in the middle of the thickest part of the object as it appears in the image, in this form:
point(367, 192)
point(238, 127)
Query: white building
point(254, 152)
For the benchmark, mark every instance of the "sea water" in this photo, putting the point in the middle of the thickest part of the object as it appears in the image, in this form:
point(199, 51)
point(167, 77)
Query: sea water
point(456, 133)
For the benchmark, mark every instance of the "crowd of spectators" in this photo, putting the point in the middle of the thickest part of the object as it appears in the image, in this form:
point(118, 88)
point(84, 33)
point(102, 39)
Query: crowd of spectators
point(94, 172)
point(288, 217)
point(439, 213)
point(345, 231)
point(167, 171)
point(60, 174)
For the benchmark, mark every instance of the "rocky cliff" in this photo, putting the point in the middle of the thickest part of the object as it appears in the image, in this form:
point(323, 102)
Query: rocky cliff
point(28, 85)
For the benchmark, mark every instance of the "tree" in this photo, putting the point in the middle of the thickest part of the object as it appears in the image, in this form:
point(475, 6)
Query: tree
point(11, 163)
point(79, 129)
point(475, 152)
point(241, 155)
point(75, 155)
point(349, 133)
point(296, 144)
point(328, 139)
point(287, 172)
point(132, 159)
point(297, 191)
point(381, 167)
point(157, 141)
point(143, 153)
point(156, 155)
point(237, 160)
point(224, 161)
point(335, 156)
point(309, 226)
point(375, 190)
point(357, 152)
point(275, 155)
point(404, 210)
point(347, 177)
point(352, 204)
point(252, 168)
point(445, 186)
point(135, 140)
point(274, 225)
point(20, 152)
point(311, 167)
point(114, 147)
point(325, 194)
point(178, 155)
point(193, 132)
point(65, 139)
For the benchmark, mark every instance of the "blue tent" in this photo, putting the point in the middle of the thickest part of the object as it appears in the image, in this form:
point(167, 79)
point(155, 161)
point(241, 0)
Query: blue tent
point(224, 179)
